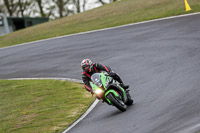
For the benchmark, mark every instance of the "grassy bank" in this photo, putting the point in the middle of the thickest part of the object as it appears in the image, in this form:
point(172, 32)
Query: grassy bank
point(40, 106)
point(115, 14)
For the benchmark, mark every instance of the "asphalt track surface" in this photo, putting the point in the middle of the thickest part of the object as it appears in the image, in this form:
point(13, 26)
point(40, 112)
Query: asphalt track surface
point(160, 60)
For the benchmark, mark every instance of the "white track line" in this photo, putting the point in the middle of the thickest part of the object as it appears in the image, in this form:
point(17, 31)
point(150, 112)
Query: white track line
point(83, 116)
point(191, 129)
point(103, 29)
point(72, 80)
point(68, 79)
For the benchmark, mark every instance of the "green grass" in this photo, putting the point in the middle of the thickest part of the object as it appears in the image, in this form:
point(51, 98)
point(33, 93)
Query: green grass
point(40, 106)
point(115, 14)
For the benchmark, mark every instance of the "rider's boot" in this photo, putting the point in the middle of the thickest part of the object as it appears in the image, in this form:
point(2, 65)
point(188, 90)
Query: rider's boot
point(124, 86)
point(116, 77)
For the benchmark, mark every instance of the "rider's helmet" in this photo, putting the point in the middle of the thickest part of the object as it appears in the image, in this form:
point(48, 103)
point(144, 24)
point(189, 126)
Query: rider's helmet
point(86, 65)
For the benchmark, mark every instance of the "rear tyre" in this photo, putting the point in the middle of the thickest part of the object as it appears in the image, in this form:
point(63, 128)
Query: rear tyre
point(129, 99)
point(119, 104)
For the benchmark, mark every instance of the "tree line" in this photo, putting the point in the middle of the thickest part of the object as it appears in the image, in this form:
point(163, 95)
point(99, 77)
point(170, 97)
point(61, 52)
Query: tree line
point(46, 8)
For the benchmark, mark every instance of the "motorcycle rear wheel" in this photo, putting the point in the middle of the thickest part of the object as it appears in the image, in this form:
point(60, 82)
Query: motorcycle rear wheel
point(129, 99)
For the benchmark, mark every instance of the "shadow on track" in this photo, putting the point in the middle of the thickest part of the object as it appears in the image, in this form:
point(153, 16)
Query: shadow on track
point(114, 112)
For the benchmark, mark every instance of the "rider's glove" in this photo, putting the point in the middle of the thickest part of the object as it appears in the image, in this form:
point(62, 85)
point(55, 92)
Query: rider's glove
point(92, 92)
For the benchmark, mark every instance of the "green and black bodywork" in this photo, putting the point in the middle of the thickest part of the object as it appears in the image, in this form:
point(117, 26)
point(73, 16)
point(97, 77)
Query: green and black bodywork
point(110, 91)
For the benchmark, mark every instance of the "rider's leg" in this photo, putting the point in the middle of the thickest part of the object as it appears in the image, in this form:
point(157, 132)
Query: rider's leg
point(116, 77)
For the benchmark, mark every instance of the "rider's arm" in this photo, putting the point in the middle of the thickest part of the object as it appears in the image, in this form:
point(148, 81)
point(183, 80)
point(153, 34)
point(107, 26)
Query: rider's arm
point(102, 67)
point(86, 83)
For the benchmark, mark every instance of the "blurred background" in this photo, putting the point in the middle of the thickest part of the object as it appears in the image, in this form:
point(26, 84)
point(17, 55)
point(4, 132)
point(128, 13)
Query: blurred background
point(48, 8)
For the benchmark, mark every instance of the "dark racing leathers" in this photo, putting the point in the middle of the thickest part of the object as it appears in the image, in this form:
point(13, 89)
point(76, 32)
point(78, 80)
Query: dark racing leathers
point(97, 68)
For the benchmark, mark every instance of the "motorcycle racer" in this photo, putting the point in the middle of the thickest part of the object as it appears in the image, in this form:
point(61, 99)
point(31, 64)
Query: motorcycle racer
point(90, 68)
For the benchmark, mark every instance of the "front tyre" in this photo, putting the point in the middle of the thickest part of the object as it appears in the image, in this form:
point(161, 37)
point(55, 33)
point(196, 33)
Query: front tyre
point(117, 102)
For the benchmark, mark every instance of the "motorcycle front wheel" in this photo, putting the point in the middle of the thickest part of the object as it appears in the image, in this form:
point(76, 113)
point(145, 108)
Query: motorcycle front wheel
point(119, 104)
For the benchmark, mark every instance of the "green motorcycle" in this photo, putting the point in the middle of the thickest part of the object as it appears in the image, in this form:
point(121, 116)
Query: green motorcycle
point(110, 91)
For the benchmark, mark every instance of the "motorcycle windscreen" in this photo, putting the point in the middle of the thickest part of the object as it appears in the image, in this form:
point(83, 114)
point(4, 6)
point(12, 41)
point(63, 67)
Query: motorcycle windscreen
point(96, 79)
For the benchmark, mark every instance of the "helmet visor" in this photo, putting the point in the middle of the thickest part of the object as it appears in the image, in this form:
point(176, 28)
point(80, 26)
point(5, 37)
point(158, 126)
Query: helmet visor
point(86, 67)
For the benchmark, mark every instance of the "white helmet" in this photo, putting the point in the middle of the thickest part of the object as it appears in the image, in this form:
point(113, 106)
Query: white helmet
point(86, 64)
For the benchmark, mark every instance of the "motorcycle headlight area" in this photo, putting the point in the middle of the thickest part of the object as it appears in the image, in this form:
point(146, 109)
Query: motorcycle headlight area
point(98, 91)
